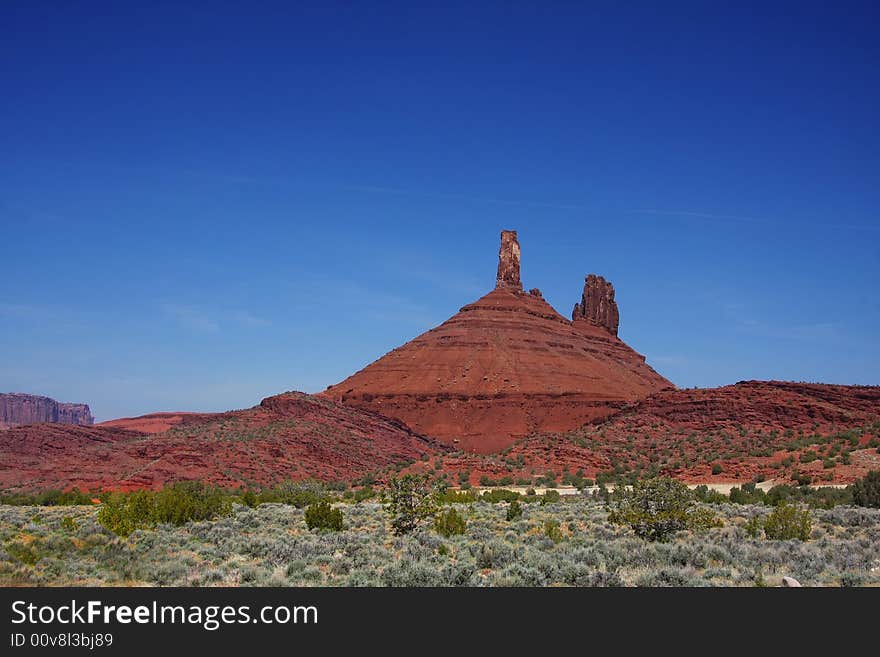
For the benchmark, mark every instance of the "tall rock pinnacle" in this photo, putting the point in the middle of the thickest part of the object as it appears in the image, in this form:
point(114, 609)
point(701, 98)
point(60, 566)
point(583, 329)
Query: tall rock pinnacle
point(597, 304)
point(508, 262)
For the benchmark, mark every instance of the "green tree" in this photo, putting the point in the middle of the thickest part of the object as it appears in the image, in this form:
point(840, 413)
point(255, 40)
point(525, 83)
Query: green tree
point(653, 508)
point(866, 491)
point(754, 527)
point(702, 518)
point(449, 522)
point(514, 511)
point(184, 501)
point(788, 521)
point(123, 513)
point(409, 501)
point(320, 515)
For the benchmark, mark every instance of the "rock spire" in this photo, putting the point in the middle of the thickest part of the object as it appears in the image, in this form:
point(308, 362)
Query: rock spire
point(508, 262)
point(597, 305)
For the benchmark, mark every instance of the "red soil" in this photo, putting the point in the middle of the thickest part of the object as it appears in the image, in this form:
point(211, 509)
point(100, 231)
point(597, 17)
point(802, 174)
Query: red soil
point(158, 422)
point(289, 436)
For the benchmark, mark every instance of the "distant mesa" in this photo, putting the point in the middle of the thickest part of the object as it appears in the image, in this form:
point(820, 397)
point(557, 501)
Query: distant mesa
point(506, 366)
point(19, 408)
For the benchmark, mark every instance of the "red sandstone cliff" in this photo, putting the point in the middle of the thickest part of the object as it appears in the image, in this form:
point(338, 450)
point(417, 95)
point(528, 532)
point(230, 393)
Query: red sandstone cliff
point(19, 408)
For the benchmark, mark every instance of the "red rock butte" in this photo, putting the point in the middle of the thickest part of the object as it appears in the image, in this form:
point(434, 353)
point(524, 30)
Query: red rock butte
point(506, 366)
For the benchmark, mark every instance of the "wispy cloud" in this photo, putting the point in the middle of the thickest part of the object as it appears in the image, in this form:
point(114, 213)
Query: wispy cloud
point(743, 320)
point(24, 311)
point(199, 319)
point(724, 218)
point(739, 219)
point(373, 189)
point(282, 182)
point(702, 215)
point(56, 317)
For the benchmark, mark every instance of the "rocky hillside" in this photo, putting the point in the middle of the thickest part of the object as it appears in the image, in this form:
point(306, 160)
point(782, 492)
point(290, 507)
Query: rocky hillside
point(771, 430)
point(289, 436)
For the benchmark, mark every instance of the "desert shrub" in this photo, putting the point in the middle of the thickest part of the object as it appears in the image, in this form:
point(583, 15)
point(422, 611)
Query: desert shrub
point(670, 577)
point(548, 480)
point(177, 504)
point(866, 491)
point(364, 493)
point(704, 494)
point(408, 572)
point(409, 502)
point(295, 493)
point(824, 498)
point(320, 515)
point(514, 510)
point(248, 498)
point(550, 496)
point(458, 497)
point(500, 495)
point(780, 494)
point(747, 494)
point(123, 513)
point(754, 527)
point(653, 508)
point(27, 553)
point(788, 521)
point(852, 579)
point(701, 519)
point(69, 524)
point(493, 554)
point(184, 501)
point(717, 469)
point(602, 578)
point(449, 523)
point(48, 498)
point(552, 530)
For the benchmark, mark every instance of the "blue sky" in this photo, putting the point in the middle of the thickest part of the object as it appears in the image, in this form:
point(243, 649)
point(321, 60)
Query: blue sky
point(202, 207)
